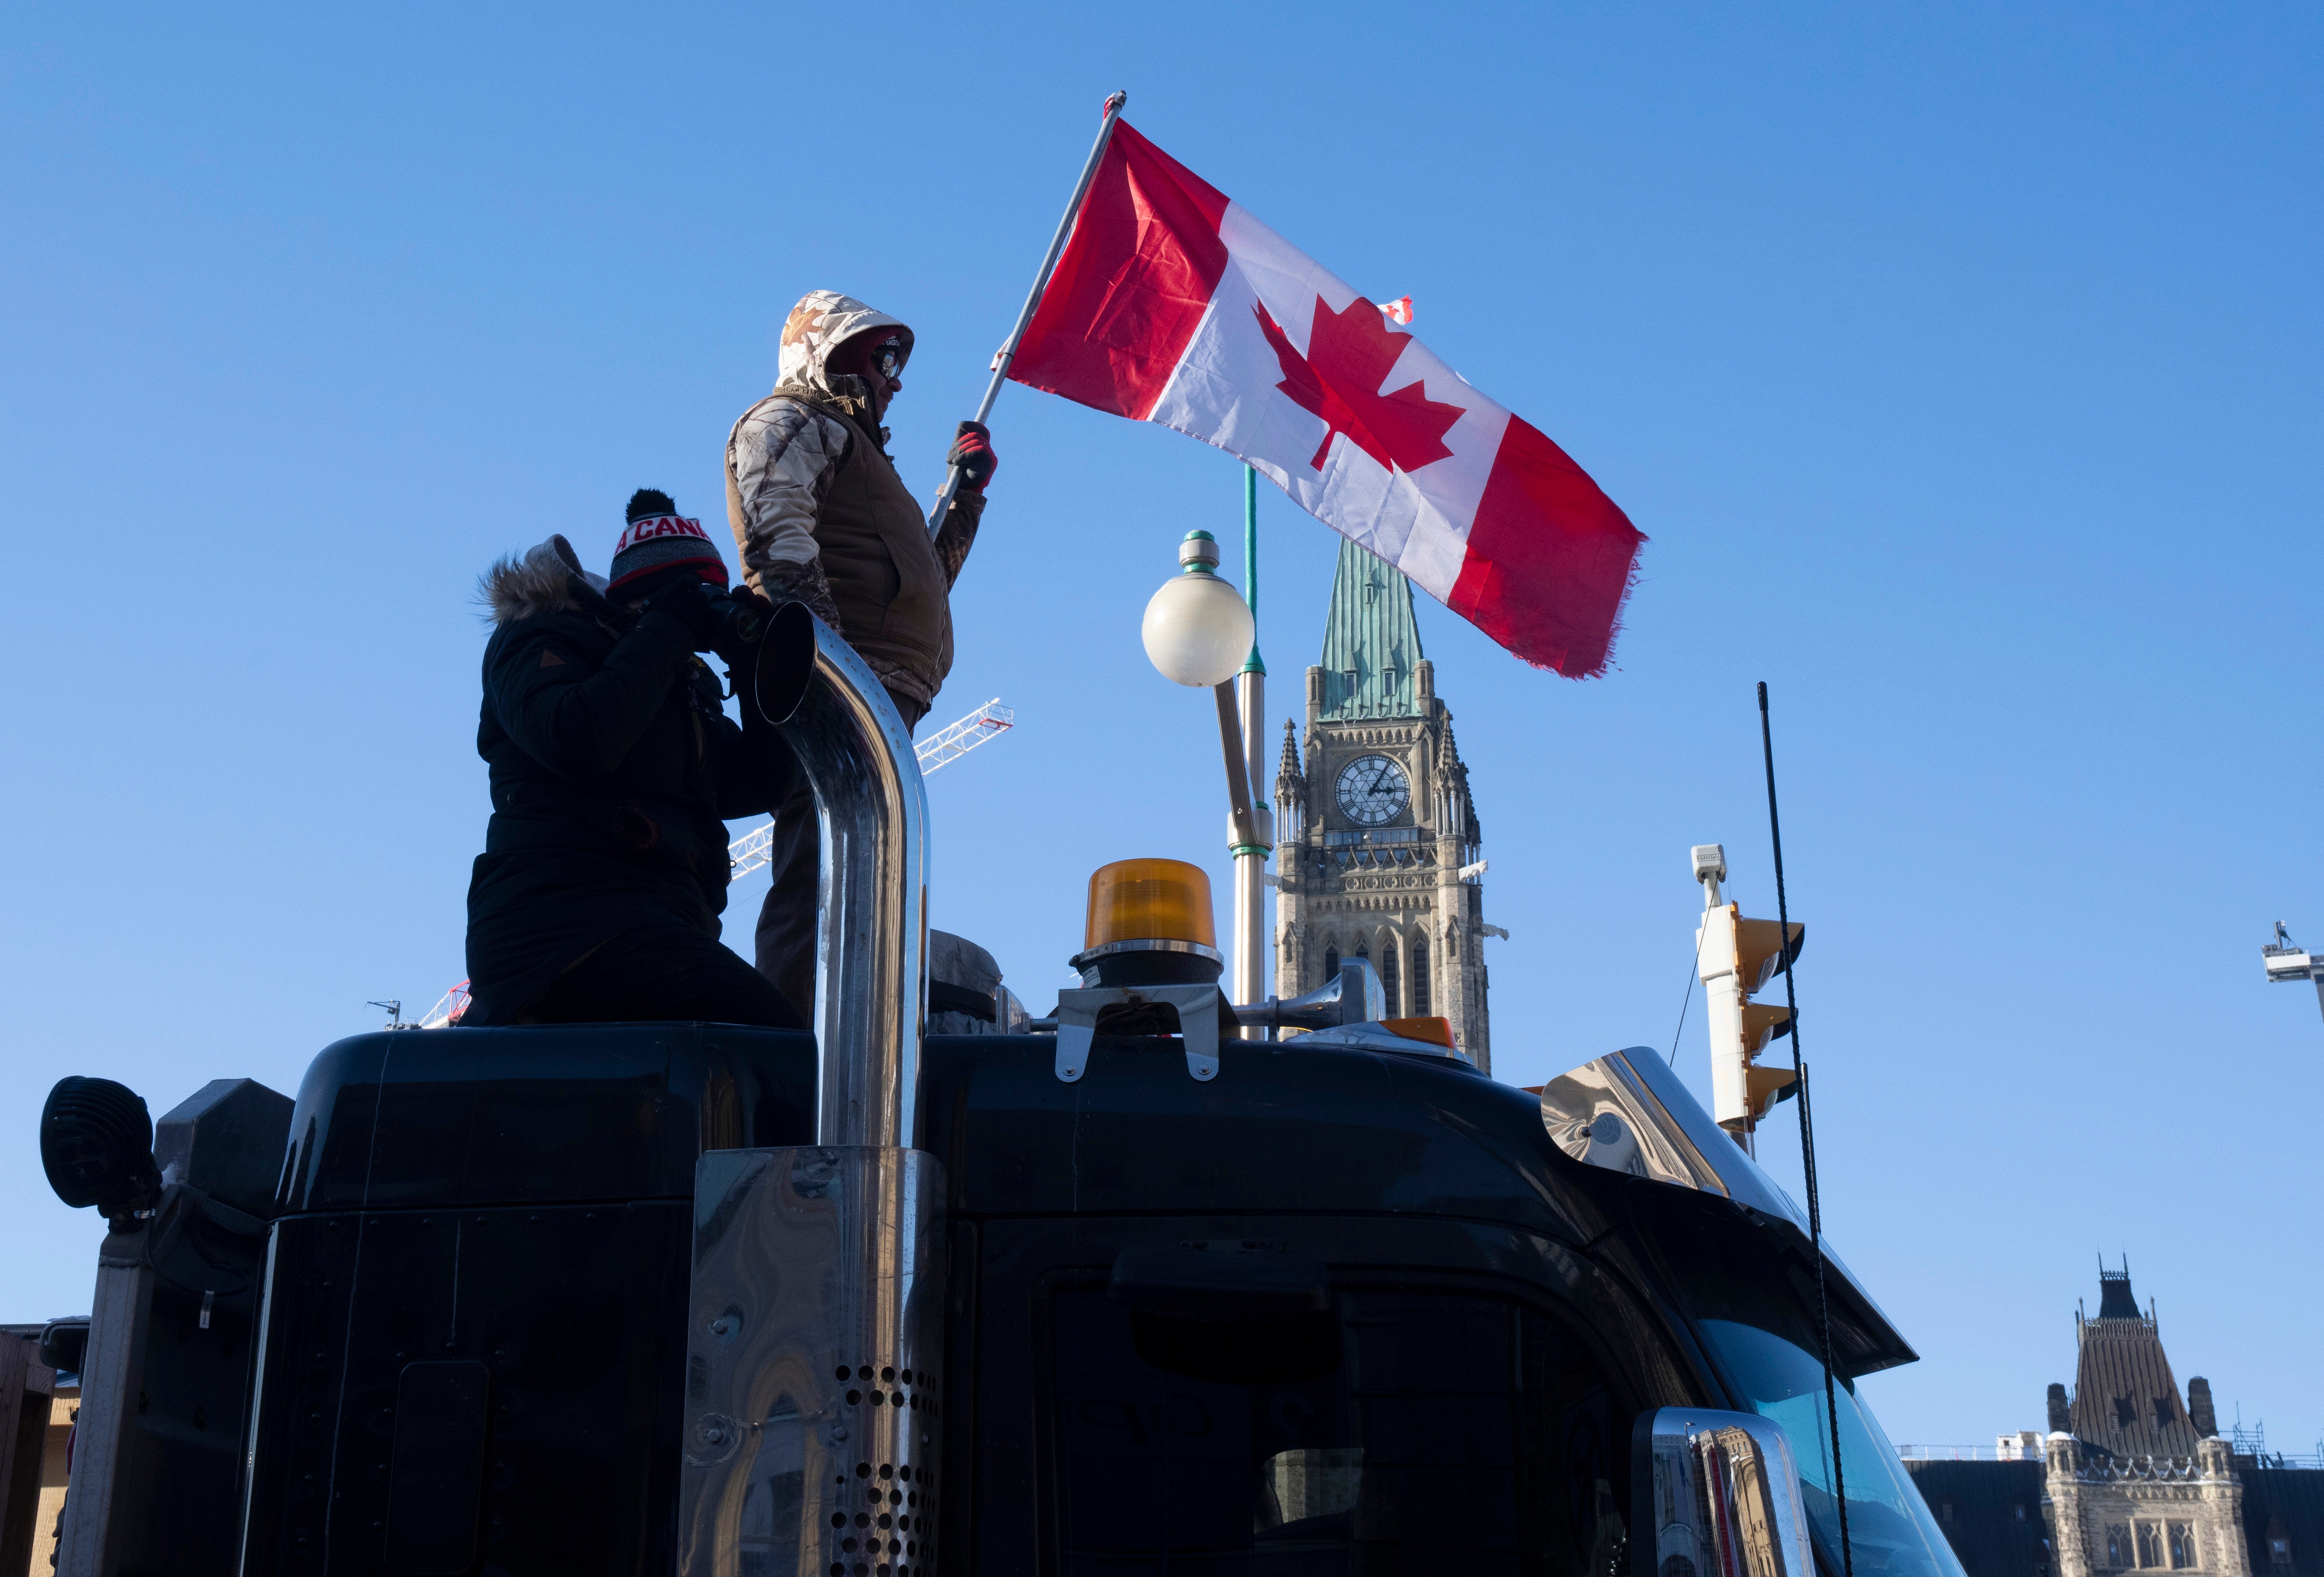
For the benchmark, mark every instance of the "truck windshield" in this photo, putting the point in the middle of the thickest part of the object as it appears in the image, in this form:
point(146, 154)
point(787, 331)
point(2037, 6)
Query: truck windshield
point(1888, 1523)
point(1407, 1430)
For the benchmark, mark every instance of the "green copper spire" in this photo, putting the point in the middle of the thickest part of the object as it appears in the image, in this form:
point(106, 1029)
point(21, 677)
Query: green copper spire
point(1369, 640)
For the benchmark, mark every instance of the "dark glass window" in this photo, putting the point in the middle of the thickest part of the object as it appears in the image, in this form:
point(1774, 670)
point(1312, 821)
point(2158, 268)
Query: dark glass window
point(1765, 1339)
point(1402, 1432)
point(1420, 1008)
point(1331, 966)
point(1387, 978)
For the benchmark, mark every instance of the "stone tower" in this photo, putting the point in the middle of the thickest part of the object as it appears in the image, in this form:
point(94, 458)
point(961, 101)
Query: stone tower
point(2140, 1482)
point(1373, 821)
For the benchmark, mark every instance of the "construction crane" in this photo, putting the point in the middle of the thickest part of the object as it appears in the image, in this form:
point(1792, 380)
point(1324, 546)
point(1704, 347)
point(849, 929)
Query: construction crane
point(2285, 959)
point(941, 749)
point(750, 851)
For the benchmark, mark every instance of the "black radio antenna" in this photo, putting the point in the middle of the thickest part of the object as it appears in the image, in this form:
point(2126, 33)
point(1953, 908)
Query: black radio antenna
point(1807, 1135)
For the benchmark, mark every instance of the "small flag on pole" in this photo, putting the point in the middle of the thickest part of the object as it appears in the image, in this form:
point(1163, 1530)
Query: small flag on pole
point(1172, 304)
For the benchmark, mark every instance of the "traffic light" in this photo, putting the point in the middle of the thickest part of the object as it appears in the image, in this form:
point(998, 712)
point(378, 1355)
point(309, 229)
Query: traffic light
point(1737, 958)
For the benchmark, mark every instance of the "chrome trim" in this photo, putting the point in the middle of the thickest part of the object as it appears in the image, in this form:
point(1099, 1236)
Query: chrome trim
point(781, 1304)
point(1604, 1113)
point(1676, 1142)
point(1720, 1497)
point(1198, 1025)
point(1148, 945)
point(1355, 996)
point(871, 968)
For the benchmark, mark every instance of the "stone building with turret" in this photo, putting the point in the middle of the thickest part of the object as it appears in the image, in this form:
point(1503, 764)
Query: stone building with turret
point(1377, 841)
point(2138, 1480)
point(2133, 1476)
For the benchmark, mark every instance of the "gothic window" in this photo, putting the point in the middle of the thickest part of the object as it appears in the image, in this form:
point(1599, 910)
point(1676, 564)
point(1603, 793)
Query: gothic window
point(1420, 1008)
point(2279, 1549)
point(2150, 1546)
point(2165, 1409)
point(2117, 1545)
point(2125, 1414)
point(1387, 976)
point(1451, 949)
point(2183, 1546)
point(1330, 965)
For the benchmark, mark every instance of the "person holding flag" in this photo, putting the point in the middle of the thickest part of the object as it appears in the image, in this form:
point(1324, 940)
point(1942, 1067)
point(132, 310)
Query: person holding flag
point(820, 517)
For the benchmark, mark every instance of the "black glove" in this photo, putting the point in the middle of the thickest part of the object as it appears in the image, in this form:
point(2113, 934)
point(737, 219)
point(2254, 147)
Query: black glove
point(972, 451)
point(686, 602)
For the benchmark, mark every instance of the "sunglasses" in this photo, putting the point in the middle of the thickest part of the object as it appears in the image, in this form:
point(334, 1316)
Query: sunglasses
point(887, 358)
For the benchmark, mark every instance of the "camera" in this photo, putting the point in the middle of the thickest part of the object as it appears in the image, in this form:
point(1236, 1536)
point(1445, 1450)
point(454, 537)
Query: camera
point(741, 621)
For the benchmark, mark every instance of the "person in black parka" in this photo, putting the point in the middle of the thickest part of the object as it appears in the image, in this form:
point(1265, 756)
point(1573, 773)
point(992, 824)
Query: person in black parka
point(614, 767)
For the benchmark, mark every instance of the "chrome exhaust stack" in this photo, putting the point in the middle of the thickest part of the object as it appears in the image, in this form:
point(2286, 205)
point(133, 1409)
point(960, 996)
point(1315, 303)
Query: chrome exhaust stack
point(816, 1341)
point(870, 970)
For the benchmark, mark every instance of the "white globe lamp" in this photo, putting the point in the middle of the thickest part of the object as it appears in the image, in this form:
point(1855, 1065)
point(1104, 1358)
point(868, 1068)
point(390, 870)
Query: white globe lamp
point(1197, 630)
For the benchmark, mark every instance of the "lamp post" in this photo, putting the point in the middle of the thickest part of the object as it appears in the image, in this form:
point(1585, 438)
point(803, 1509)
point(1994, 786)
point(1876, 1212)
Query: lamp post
point(1250, 852)
point(1199, 632)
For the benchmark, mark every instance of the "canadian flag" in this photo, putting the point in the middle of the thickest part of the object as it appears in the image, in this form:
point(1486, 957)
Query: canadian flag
point(1172, 304)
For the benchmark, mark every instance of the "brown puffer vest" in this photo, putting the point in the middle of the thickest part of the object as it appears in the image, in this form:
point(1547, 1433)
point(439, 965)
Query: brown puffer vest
point(873, 543)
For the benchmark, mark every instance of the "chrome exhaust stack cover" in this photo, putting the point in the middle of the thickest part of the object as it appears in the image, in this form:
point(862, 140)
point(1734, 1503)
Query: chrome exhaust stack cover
point(816, 1331)
point(870, 971)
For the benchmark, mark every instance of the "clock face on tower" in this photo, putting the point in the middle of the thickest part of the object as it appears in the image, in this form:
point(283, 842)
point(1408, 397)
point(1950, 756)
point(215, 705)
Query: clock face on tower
point(1373, 790)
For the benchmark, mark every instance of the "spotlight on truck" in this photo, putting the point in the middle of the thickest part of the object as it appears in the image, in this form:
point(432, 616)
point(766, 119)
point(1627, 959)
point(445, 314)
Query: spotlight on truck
point(96, 1145)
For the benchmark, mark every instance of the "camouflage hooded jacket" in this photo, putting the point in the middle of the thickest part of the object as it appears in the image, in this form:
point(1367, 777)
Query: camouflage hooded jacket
point(820, 515)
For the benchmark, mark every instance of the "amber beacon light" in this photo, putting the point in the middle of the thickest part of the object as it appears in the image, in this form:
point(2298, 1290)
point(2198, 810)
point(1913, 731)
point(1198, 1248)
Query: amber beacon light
point(1149, 922)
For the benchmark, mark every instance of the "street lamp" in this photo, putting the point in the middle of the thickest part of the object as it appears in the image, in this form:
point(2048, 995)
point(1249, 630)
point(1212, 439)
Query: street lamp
point(1198, 628)
point(1199, 632)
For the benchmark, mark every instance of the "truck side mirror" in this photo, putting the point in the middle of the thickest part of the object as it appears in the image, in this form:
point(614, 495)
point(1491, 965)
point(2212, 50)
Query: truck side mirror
point(1718, 1495)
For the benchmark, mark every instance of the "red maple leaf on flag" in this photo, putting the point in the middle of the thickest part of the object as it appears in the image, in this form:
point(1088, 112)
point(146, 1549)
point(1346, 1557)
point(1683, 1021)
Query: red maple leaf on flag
point(1349, 354)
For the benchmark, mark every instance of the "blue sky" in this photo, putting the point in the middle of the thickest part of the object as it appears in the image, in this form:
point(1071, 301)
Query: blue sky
point(1960, 364)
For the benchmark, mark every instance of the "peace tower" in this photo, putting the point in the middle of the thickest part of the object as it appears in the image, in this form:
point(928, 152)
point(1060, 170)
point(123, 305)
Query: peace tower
point(1375, 833)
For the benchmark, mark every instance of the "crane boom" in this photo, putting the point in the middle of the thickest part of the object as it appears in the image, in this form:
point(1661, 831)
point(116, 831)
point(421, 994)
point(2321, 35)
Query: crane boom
point(940, 749)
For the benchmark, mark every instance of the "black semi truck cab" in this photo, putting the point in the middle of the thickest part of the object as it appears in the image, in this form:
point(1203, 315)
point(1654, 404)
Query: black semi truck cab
point(1335, 1309)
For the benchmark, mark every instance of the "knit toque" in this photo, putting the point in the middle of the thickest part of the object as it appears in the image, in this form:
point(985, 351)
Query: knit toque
point(657, 537)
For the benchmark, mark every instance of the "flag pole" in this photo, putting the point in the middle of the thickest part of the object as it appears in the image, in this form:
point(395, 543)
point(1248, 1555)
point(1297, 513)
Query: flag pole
point(1008, 351)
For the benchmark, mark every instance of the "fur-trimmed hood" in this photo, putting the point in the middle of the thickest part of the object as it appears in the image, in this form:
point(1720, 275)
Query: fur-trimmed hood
point(539, 581)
